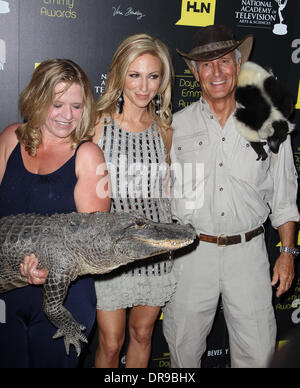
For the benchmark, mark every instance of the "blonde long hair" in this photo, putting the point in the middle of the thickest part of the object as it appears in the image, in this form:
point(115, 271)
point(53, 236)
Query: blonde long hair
point(36, 98)
point(131, 48)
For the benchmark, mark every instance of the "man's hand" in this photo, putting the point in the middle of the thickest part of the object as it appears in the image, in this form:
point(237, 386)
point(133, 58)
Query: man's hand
point(29, 270)
point(283, 273)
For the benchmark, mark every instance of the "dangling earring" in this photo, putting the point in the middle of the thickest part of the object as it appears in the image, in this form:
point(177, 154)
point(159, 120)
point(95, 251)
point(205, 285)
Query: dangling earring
point(158, 103)
point(120, 103)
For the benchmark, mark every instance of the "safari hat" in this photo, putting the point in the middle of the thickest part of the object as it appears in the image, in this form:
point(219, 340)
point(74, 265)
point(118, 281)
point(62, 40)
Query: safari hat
point(212, 42)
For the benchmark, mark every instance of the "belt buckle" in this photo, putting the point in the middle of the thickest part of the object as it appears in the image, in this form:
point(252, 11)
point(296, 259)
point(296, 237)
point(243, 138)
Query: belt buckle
point(218, 240)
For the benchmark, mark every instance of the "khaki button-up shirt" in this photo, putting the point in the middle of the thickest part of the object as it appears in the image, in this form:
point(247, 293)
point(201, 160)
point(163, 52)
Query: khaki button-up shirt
point(218, 185)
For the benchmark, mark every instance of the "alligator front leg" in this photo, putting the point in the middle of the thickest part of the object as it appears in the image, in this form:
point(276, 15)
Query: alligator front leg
point(54, 292)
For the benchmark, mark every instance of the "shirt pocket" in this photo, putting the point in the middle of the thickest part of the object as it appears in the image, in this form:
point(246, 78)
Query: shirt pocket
point(245, 166)
point(192, 148)
point(245, 144)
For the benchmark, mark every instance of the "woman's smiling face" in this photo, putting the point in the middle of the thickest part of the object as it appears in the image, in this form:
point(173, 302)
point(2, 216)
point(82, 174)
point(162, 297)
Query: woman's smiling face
point(142, 80)
point(65, 112)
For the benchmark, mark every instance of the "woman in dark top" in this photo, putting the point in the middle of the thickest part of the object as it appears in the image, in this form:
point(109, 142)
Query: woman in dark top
point(48, 165)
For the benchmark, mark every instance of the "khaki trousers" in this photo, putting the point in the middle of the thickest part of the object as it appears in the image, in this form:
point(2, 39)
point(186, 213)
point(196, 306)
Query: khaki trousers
point(240, 273)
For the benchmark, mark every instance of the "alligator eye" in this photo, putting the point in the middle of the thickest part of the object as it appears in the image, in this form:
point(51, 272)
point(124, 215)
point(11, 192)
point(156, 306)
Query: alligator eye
point(141, 223)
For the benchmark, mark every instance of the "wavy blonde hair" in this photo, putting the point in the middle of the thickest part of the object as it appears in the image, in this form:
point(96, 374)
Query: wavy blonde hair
point(37, 97)
point(131, 48)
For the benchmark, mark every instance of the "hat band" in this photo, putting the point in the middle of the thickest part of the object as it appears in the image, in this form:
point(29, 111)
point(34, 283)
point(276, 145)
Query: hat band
point(213, 47)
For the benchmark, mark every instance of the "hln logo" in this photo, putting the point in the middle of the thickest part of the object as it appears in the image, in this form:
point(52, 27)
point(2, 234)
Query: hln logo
point(197, 13)
point(2, 312)
point(192, 7)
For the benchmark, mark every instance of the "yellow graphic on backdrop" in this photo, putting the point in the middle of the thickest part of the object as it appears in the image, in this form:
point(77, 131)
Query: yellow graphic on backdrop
point(280, 344)
point(298, 100)
point(298, 241)
point(197, 13)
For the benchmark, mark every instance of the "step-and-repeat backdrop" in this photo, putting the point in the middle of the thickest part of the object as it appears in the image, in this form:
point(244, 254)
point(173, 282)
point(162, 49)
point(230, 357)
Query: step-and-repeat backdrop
point(89, 31)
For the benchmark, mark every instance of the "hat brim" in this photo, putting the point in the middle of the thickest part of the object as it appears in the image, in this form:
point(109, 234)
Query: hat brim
point(245, 46)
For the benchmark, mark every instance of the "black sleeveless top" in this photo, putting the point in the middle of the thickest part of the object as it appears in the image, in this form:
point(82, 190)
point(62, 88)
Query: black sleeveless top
point(24, 192)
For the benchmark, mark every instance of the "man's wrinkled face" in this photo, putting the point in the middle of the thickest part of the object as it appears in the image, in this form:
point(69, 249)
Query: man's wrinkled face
point(218, 78)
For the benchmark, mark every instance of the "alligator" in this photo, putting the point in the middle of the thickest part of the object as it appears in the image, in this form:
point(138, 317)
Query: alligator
point(76, 244)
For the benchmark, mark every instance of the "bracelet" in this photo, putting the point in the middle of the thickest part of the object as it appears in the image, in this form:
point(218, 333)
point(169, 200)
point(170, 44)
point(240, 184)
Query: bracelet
point(293, 251)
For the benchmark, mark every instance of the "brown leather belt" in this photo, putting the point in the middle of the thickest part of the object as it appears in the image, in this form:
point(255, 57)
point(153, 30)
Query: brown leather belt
point(223, 240)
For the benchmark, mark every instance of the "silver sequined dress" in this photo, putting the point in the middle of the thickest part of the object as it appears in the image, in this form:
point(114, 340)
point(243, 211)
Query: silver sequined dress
point(137, 167)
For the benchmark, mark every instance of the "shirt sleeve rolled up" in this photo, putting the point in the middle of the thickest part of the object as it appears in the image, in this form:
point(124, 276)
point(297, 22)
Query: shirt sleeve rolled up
point(283, 203)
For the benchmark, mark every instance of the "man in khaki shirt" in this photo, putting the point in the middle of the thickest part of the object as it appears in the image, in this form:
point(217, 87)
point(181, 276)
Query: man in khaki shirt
point(226, 194)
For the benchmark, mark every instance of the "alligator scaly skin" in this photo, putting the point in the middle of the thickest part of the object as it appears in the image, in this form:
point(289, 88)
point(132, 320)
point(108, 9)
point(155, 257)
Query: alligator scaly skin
point(74, 244)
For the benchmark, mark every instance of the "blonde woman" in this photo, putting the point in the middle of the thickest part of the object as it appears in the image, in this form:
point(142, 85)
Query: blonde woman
point(135, 135)
point(48, 166)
